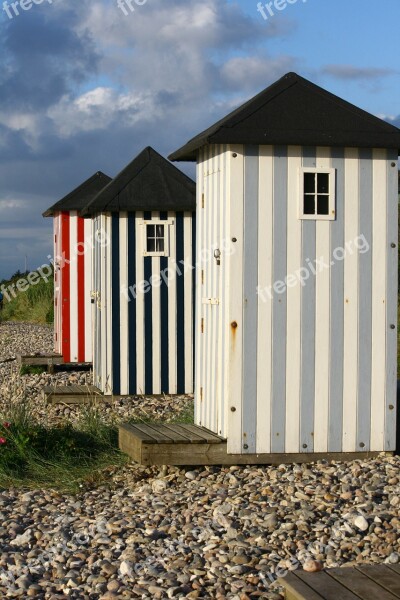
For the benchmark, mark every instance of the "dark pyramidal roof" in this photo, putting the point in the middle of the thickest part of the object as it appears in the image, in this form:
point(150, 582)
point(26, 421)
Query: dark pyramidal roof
point(295, 111)
point(81, 195)
point(148, 183)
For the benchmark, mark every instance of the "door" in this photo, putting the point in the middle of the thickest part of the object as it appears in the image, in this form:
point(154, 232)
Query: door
point(209, 358)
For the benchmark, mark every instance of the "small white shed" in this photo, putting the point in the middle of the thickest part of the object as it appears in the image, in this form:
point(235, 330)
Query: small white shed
point(143, 279)
point(296, 326)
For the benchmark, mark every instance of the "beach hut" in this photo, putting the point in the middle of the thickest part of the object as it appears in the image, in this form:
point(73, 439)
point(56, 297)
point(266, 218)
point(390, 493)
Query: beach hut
point(73, 246)
point(296, 326)
point(144, 221)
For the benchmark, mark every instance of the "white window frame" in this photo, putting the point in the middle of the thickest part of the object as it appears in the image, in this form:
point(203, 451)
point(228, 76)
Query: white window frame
point(331, 216)
point(168, 223)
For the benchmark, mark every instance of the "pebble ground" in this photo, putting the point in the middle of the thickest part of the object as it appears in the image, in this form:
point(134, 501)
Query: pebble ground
point(165, 532)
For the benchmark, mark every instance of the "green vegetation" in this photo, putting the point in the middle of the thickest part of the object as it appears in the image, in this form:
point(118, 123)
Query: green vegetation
point(31, 370)
point(66, 457)
point(35, 305)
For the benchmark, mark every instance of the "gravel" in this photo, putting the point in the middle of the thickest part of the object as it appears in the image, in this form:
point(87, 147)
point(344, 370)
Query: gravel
point(211, 532)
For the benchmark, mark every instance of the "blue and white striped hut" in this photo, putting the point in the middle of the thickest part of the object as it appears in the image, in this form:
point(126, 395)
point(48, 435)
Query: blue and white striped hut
point(143, 279)
point(296, 327)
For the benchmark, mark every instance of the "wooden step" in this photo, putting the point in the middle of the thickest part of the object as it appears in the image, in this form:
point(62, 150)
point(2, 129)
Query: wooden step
point(362, 582)
point(71, 394)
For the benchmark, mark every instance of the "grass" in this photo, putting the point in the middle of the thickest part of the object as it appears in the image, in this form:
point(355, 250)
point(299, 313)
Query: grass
point(32, 370)
point(67, 458)
point(34, 306)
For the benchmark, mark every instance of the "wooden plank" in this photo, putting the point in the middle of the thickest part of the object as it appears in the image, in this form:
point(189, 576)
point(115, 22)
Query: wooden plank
point(40, 359)
point(386, 578)
point(296, 589)
point(265, 281)
point(395, 568)
point(250, 314)
point(134, 431)
point(156, 433)
point(379, 283)
point(180, 435)
point(360, 584)
point(323, 584)
point(207, 436)
point(322, 325)
point(351, 294)
point(293, 316)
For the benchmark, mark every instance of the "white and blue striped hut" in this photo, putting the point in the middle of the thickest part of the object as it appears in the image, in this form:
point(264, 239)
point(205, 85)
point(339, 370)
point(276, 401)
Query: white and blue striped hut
point(143, 279)
point(296, 327)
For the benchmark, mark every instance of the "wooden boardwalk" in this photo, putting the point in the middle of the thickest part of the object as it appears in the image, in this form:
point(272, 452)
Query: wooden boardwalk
point(71, 394)
point(363, 582)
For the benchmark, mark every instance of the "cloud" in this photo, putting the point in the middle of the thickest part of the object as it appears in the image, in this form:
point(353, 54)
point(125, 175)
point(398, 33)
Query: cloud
point(349, 72)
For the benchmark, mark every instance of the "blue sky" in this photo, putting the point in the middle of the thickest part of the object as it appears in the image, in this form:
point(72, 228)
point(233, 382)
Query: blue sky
point(84, 87)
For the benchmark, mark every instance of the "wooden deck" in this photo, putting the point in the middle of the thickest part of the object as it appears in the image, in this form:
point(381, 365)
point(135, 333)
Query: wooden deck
point(363, 582)
point(71, 394)
point(37, 360)
point(156, 444)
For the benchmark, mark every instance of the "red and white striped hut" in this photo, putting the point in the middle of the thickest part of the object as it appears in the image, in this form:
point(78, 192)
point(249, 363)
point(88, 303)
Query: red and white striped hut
point(73, 244)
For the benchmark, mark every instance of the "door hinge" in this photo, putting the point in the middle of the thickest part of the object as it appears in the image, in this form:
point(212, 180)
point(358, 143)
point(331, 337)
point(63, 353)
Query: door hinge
point(202, 201)
point(201, 394)
point(202, 277)
point(202, 325)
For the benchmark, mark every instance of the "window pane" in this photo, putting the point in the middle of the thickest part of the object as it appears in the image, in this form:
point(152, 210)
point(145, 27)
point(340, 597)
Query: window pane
point(309, 183)
point(309, 205)
point(151, 245)
point(150, 231)
point(160, 245)
point(323, 205)
point(323, 183)
point(160, 231)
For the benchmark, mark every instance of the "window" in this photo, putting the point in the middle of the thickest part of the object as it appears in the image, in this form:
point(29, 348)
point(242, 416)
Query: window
point(317, 194)
point(156, 237)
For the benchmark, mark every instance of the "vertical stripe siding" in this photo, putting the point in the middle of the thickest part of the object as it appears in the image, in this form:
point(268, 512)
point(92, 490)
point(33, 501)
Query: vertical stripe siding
point(198, 336)
point(251, 168)
point(57, 225)
point(379, 283)
point(80, 266)
point(322, 314)
point(307, 390)
point(351, 296)
point(88, 266)
point(148, 321)
point(132, 329)
point(265, 282)
point(140, 314)
point(65, 287)
point(73, 275)
point(293, 317)
point(124, 303)
point(279, 301)
point(115, 305)
point(391, 292)
point(164, 301)
point(365, 304)
point(235, 391)
point(180, 307)
point(337, 310)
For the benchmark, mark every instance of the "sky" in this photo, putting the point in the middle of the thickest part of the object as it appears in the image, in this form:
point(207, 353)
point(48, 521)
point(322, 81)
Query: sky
point(85, 85)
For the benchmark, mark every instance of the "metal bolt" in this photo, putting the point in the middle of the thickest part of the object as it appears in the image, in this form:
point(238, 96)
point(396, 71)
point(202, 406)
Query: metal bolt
point(391, 407)
point(234, 324)
point(234, 240)
point(233, 409)
point(392, 326)
point(362, 445)
point(234, 155)
point(245, 447)
point(393, 245)
point(304, 445)
point(393, 164)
